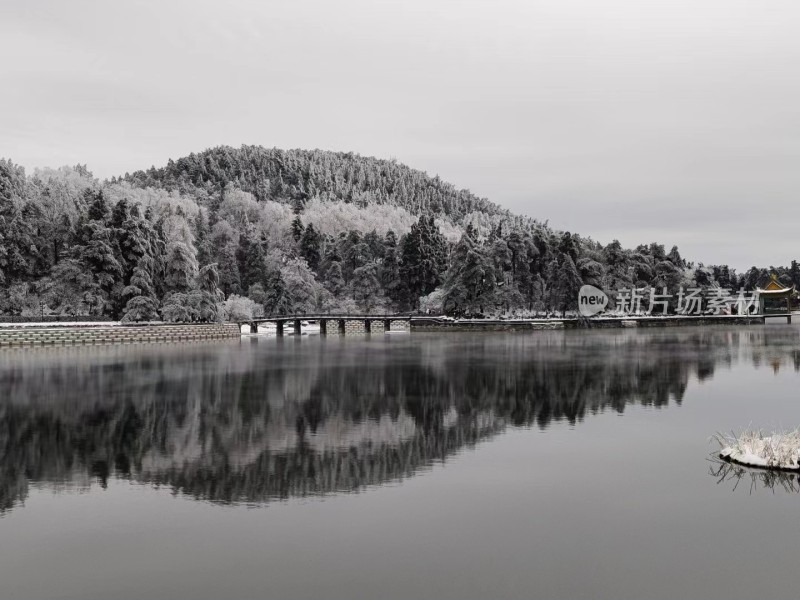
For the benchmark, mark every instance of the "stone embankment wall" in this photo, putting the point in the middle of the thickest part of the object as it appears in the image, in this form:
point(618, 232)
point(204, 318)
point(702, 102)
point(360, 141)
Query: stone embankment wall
point(48, 336)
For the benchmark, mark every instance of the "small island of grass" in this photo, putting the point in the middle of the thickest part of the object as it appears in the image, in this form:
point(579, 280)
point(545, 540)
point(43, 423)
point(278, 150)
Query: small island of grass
point(753, 448)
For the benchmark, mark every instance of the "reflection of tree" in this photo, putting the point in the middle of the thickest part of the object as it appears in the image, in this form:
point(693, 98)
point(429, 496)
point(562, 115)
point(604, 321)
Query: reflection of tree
point(241, 423)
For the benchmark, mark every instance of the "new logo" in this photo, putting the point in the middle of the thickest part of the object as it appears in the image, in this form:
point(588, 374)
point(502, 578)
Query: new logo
point(591, 300)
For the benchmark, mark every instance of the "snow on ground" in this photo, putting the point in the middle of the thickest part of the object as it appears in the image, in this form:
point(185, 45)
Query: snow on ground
point(61, 324)
point(752, 448)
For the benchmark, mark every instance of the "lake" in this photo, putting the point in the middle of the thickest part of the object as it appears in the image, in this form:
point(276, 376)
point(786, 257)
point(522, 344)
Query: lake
point(534, 465)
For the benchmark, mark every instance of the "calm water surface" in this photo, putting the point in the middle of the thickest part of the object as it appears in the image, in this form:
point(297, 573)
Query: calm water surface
point(549, 465)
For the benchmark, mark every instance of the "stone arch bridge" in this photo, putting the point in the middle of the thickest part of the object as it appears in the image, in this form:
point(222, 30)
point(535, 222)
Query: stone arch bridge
point(334, 324)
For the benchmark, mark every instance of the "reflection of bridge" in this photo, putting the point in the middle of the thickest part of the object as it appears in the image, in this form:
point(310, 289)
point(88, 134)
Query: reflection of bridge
point(211, 422)
point(336, 323)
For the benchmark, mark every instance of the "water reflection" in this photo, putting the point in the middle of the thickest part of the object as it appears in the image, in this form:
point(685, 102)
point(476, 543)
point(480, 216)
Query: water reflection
point(254, 421)
point(738, 477)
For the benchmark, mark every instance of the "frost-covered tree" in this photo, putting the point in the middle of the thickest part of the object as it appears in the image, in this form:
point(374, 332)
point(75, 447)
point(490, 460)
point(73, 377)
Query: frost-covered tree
point(73, 244)
point(302, 288)
point(424, 257)
point(251, 259)
point(334, 280)
point(391, 281)
point(565, 283)
point(202, 238)
point(365, 287)
point(181, 268)
point(224, 243)
point(177, 308)
point(208, 295)
point(354, 252)
point(139, 294)
point(240, 308)
point(470, 282)
point(94, 250)
point(15, 230)
point(276, 295)
point(140, 308)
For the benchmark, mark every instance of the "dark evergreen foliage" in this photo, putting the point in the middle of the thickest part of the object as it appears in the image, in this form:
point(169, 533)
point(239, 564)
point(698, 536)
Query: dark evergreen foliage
point(297, 175)
point(310, 246)
point(278, 228)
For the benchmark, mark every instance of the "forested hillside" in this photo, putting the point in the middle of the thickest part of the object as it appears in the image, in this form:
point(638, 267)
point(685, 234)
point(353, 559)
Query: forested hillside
point(302, 175)
point(231, 233)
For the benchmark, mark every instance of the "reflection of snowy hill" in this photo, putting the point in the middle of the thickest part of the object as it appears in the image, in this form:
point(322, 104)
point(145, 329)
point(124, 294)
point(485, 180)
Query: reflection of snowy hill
point(187, 444)
point(253, 421)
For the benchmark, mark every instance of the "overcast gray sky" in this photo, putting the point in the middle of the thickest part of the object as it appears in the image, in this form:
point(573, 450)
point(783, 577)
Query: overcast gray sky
point(668, 120)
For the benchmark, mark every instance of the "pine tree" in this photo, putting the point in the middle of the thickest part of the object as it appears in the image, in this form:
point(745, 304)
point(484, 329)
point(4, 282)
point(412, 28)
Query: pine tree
point(98, 207)
point(208, 294)
point(518, 250)
point(277, 300)
point(674, 257)
point(375, 245)
point(567, 282)
point(424, 252)
point(334, 280)
point(310, 247)
point(16, 239)
point(354, 252)
point(97, 252)
point(202, 241)
point(135, 238)
point(390, 271)
point(141, 304)
point(181, 268)
point(569, 245)
point(794, 273)
point(502, 257)
point(251, 260)
point(223, 250)
point(470, 283)
point(366, 288)
point(94, 248)
point(297, 228)
point(331, 255)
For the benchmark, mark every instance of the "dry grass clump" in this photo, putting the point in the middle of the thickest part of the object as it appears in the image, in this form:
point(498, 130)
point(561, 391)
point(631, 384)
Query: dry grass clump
point(779, 450)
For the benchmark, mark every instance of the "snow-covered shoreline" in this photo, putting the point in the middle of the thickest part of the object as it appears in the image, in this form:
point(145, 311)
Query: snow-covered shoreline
point(60, 324)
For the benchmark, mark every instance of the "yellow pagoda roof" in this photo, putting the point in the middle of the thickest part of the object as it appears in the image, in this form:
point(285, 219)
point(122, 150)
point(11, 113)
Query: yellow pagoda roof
point(774, 288)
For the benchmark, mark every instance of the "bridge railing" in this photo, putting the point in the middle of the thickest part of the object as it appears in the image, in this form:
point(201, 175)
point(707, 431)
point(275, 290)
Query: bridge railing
point(332, 315)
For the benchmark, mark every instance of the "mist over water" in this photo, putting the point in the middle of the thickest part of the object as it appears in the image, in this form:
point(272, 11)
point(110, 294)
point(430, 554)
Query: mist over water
point(553, 464)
